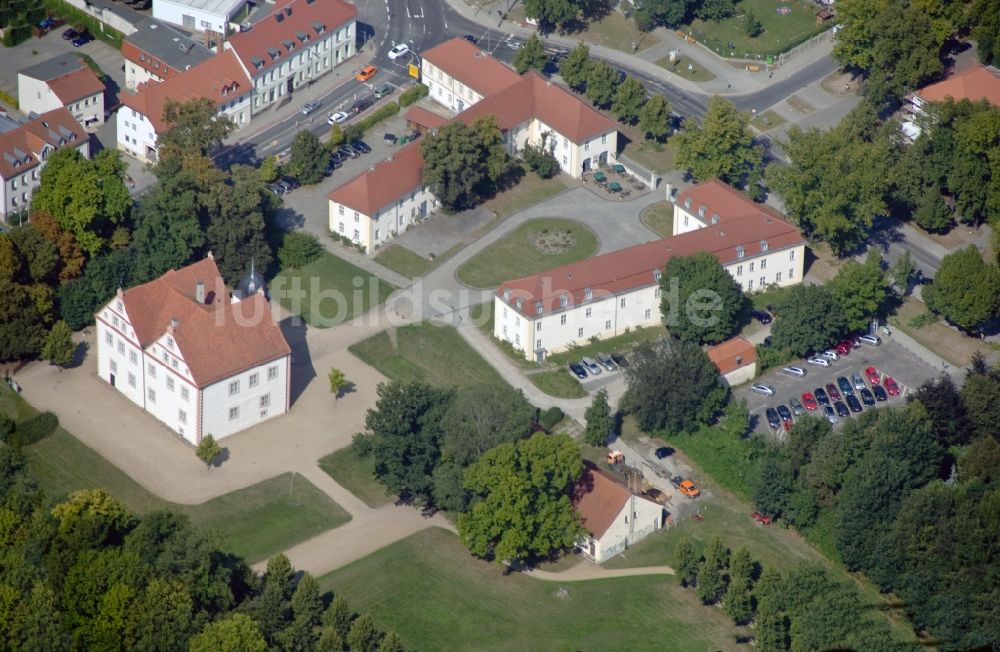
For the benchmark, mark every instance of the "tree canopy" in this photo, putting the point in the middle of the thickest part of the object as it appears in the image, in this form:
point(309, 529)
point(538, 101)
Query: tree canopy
point(195, 128)
point(575, 67)
point(601, 82)
point(309, 157)
point(720, 146)
point(810, 320)
point(630, 98)
point(699, 300)
point(482, 417)
point(463, 163)
point(966, 290)
point(861, 291)
point(531, 56)
point(655, 118)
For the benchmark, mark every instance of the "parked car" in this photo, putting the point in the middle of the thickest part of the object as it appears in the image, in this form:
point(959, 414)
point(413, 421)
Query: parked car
point(362, 104)
point(70, 34)
point(772, 417)
point(663, 452)
point(796, 406)
point(830, 355)
point(784, 413)
point(762, 316)
point(470, 38)
point(361, 146)
point(854, 403)
point(347, 151)
point(577, 370)
point(818, 361)
point(591, 366)
point(879, 393)
point(842, 410)
point(337, 117)
point(832, 390)
point(275, 188)
point(890, 386)
point(290, 180)
point(366, 73)
point(688, 488)
point(620, 360)
point(831, 416)
point(334, 163)
point(872, 374)
point(284, 185)
point(384, 90)
point(792, 370)
point(605, 361)
point(867, 397)
point(309, 107)
point(763, 389)
point(515, 45)
point(82, 39)
point(858, 381)
point(762, 519)
point(390, 139)
point(821, 396)
point(870, 340)
point(398, 50)
point(843, 348)
point(845, 386)
point(809, 401)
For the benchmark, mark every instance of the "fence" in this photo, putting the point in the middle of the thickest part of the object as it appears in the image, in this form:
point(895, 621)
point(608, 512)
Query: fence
point(721, 49)
point(785, 57)
point(648, 177)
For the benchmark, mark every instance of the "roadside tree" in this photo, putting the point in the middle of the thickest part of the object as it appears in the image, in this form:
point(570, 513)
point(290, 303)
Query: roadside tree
point(700, 301)
point(599, 420)
point(721, 146)
point(551, 14)
point(195, 128)
point(601, 82)
point(654, 118)
point(965, 290)
point(237, 233)
point(309, 157)
point(268, 169)
point(861, 291)
point(630, 97)
point(810, 320)
point(576, 66)
point(531, 56)
point(903, 271)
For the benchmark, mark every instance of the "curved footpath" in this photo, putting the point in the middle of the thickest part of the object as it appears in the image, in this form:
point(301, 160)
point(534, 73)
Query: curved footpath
point(585, 571)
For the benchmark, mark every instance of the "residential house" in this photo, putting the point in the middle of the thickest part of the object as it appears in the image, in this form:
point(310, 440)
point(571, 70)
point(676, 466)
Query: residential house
point(140, 118)
point(605, 295)
point(200, 15)
point(736, 360)
point(64, 81)
point(613, 517)
point(183, 350)
point(156, 51)
point(24, 151)
point(459, 74)
point(976, 83)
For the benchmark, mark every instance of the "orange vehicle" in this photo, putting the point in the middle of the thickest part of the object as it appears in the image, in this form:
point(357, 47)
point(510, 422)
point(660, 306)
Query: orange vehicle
point(688, 489)
point(366, 73)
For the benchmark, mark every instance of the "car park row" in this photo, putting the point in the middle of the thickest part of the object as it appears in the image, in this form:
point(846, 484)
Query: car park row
point(588, 366)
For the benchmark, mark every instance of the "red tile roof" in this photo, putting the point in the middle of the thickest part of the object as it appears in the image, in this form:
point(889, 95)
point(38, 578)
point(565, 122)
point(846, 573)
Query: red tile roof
point(599, 499)
point(76, 85)
point(427, 119)
point(220, 79)
point(975, 84)
point(383, 183)
point(471, 66)
point(634, 267)
point(291, 23)
point(57, 128)
point(217, 339)
point(732, 354)
point(721, 199)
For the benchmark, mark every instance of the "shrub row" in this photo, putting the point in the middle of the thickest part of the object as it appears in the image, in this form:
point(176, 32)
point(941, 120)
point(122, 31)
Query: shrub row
point(30, 430)
point(9, 99)
point(357, 129)
point(550, 418)
point(413, 94)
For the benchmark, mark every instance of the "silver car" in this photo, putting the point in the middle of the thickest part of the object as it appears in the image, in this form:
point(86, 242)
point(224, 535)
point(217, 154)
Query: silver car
point(792, 370)
point(762, 389)
point(796, 406)
point(858, 381)
point(818, 361)
point(592, 367)
point(605, 361)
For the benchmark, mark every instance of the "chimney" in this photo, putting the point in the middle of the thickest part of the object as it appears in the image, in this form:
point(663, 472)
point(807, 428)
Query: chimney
point(670, 191)
point(739, 360)
point(199, 292)
point(174, 323)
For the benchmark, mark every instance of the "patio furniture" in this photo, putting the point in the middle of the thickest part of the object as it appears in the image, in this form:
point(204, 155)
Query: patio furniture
point(614, 186)
point(619, 168)
point(599, 177)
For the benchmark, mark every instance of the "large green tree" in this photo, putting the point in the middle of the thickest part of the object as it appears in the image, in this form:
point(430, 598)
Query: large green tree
point(810, 320)
point(59, 346)
point(551, 14)
point(738, 600)
point(654, 117)
point(861, 291)
point(630, 98)
point(463, 163)
point(238, 633)
point(600, 421)
point(672, 386)
point(966, 290)
point(194, 128)
point(168, 232)
point(575, 68)
point(531, 56)
point(686, 562)
point(712, 572)
point(601, 82)
point(309, 157)
point(720, 146)
point(236, 233)
point(699, 300)
point(481, 417)
point(522, 510)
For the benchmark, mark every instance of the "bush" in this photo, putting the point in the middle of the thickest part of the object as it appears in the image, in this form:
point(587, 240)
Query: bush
point(34, 429)
point(383, 113)
point(6, 426)
point(299, 249)
point(769, 357)
point(550, 418)
point(411, 95)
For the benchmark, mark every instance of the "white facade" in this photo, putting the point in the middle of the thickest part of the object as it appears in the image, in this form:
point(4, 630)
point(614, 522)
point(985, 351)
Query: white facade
point(35, 95)
point(445, 89)
point(198, 15)
point(574, 158)
point(741, 375)
point(372, 231)
point(638, 518)
point(246, 399)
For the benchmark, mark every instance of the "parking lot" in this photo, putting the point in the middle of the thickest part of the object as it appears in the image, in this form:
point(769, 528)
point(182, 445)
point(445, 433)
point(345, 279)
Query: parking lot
point(889, 359)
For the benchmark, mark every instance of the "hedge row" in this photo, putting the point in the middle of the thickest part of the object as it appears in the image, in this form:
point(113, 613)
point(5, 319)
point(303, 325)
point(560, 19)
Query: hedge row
point(79, 18)
point(9, 99)
point(30, 430)
point(357, 129)
point(411, 95)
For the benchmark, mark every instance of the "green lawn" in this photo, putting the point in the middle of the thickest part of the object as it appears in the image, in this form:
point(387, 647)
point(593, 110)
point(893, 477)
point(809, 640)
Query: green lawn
point(535, 246)
point(557, 383)
point(427, 352)
point(430, 590)
point(329, 291)
point(357, 475)
point(658, 157)
point(781, 31)
point(619, 343)
point(686, 68)
point(530, 190)
point(255, 522)
point(767, 120)
point(403, 261)
point(618, 32)
point(660, 218)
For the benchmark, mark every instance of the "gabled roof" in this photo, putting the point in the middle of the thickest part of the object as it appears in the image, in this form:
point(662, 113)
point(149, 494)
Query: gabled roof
point(599, 498)
point(76, 85)
point(471, 66)
point(21, 147)
point(54, 67)
point(427, 119)
point(155, 42)
point(289, 26)
point(383, 183)
point(975, 83)
point(220, 79)
point(638, 266)
point(732, 354)
point(721, 200)
point(217, 338)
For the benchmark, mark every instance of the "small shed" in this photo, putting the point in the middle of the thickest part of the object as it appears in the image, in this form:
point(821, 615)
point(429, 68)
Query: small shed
point(736, 360)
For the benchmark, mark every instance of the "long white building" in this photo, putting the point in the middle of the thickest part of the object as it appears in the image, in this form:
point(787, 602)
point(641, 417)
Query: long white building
point(198, 360)
point(602, 296)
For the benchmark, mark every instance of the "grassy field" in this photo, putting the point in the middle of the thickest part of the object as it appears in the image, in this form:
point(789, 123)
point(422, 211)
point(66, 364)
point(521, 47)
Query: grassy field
point(403, 261)
point(660, 218)
point(434, 354)
point(619, 343)
point(535, 246)
point(781, 31)
point(767, 120)
point(686, 68)
point(658, 157)
point(938, 336)
point(430, 590)
point(618, 32)
point(557, 383)
point(329, 291)
point(254, 523)
point(530, 190)
point(357, 475)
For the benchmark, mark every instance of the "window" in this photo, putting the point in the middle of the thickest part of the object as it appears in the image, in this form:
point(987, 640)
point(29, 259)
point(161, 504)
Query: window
point(109, 338)
point(272, 372)
point(579, 333)
point(340, 209)
point(357, 235)
point(170, 383)
point(341, 227)
point(121, 347)
point(750, 284)
point(265, 401)
point(253, 380)
point(777, 277)
point(562, 320)
point(656, 293)
point(357, 217)
point(151, 368)
point(504, 313)
point(538, 344)
point(607, 325)
point(114, 321)
point(538, 325)
point(131, 379)
point(152, 395)
point(647, 313)
point(565, 160)
point(791, 255)
point(763, 264)
point(184, 392)
point(586, 146)
point(791, 273)
point(173, 363)
point(739, 270)
point(588, 294)
point(604, 139)
point(170, 342)
point(133, 357)
point(166, 358)
point(234, 388)
point(763, 245)
point(685, 220)
point(751, 267)
point(622, 304)
point(763, 281)
point(234, 413)
point(113, 366)
point(563, 301)
point(588, 313)
point(740, 251)
point(538, 308)
point(182, 416)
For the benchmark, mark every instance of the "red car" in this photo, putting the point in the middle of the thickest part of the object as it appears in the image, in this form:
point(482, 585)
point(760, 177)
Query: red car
point(872, 374)
point(833, 392)
point(809, 401)
point(890, 386)
point(762, 519)
point(843, 348)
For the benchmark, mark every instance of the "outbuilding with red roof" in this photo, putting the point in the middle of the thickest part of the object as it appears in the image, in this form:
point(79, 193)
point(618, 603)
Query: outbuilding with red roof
point(64, 81)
